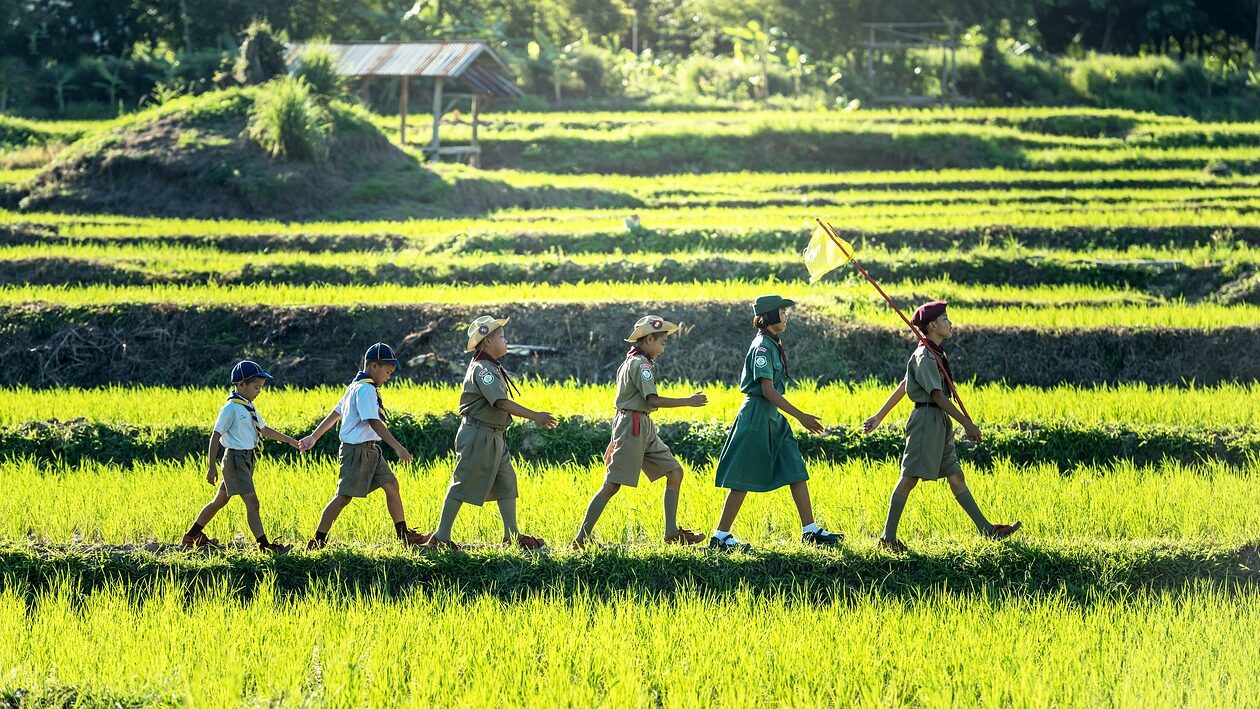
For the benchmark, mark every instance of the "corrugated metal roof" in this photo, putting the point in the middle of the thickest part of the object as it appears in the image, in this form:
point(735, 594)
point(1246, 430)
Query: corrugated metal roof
point(471, 62)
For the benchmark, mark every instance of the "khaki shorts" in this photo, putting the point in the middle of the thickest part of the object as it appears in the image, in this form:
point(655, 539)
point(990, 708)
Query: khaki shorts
point(363, 468)
point(483, 466)
point(238, 471)
point(930, 452)
point(627, 454)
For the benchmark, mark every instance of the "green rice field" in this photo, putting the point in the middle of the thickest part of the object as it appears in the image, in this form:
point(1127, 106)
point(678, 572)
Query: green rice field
point(1101, 267)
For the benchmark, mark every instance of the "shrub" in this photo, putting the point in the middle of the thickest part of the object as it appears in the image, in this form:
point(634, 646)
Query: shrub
point(289, 122)
point(318, 68)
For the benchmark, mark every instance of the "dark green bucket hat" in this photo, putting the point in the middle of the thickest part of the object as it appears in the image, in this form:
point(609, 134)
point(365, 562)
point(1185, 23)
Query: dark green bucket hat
point(770, 303)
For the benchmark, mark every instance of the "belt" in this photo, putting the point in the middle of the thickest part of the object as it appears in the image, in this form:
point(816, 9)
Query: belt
point(239, 450)
point(926, 404)
point(362, 443)
point(482, 424)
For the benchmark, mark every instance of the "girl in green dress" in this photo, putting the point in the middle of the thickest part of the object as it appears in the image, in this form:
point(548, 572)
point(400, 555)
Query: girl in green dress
point(760, 452)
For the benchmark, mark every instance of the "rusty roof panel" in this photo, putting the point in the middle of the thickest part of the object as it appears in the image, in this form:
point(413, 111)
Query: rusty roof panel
point(453, 60)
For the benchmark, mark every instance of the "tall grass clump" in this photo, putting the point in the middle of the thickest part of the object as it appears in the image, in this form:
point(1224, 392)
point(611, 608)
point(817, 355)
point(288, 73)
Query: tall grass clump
point(318, 68)
point(288, 121)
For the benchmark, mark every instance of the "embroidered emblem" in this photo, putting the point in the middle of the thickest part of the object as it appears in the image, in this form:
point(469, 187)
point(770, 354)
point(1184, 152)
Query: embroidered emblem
point(761, 349)
point(761, 361)
point(656, 324)
point(484, 329)
point(647, 374)
point(487, 378)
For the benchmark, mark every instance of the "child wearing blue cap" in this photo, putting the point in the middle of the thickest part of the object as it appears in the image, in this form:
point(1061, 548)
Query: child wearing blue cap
point(929, 451)
point(363, 467)
point(239, 430)
point(760, 453)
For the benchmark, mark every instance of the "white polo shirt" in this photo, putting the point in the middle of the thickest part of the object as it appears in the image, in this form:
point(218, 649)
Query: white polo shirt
point(236, 427)
point(357, 407)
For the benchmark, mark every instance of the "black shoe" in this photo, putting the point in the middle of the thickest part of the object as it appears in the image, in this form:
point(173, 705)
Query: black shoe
point(730, 543)
point(822, 538)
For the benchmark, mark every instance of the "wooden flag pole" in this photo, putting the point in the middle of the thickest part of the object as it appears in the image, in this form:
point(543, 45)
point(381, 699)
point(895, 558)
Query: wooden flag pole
point(949, 381)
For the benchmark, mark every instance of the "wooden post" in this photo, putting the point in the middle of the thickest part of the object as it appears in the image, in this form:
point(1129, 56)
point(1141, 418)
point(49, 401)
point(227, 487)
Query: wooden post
point(476, 117)
point(403, 105)
point(437, 116)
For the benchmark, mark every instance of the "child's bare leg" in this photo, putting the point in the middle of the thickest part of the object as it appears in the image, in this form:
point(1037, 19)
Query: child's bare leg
point(673, 485)
point(450, 508)
point(804, 508)
point(212, 507)
point(595, 509)
point(331, 511)
point(734, 500)
point(251, 514)
point(507, 510)
point(896, 505)
point(959, 487)
point(393, 502)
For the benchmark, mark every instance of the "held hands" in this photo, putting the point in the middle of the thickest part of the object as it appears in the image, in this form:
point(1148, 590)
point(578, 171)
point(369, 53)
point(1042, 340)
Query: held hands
point(544, 419)
point(872, 423)
point(306, 443)
point(811, 423)
point(698, 399)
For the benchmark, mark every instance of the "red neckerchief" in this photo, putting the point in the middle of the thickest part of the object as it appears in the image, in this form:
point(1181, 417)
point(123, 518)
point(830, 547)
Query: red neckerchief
point(481, 356)
point(782, 350)
point(939, 351)
point(635, 352)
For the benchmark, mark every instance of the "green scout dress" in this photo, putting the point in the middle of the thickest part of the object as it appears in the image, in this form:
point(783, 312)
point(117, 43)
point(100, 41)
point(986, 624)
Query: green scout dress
point(760, 452)
point(930, 453)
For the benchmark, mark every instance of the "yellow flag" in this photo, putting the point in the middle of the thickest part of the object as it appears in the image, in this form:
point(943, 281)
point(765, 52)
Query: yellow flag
point(824, 255)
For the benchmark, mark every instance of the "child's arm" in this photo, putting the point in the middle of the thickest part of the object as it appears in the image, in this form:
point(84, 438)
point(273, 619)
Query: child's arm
point(808, 421)
point(894, 398)
point(938, 396)
point(542, 418)
point(309, 442)
point(665, 402)
point(212, 470)
point(379, 426)
point(275, 435)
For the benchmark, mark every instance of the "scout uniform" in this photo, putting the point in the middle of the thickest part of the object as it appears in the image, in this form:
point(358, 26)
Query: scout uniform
point(362, 464)
point(483, 465)
point(930, 452)
point(240, 426)
point(760, 453)
point(636, 444)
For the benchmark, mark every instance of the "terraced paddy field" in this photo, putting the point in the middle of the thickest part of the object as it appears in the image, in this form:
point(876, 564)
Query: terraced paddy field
point(1101, 268)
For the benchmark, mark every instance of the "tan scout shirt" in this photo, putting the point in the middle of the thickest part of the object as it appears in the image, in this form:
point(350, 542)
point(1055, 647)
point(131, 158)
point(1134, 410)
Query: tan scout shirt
point(923, 376)
point(483, 386)
point(636, 380)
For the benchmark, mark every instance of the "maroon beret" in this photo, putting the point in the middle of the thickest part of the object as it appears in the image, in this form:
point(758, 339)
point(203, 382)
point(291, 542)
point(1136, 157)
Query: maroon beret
point(927, 313)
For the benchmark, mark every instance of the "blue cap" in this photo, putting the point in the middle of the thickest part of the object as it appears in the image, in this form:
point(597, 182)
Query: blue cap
point(381, 352)
point(247, 369)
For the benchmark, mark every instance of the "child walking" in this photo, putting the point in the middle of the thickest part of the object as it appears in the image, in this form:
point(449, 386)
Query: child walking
point(760, 452)
point(483, 464)
point(636, 444)
point(362, 464)
point(929, 452)
point(239, 429)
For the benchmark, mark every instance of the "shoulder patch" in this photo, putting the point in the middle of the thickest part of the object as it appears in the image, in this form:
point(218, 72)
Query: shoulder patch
point(761, 360)
point(487, 377)
point(647, 373)
point(761, 349)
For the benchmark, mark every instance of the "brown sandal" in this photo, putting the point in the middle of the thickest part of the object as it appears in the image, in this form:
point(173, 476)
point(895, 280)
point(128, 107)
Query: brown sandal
point(199, 541)
point(685, 537)
point(893, 545)
point(1002, 531)
point(412, 538)
point(435, 544)
point(526, 542)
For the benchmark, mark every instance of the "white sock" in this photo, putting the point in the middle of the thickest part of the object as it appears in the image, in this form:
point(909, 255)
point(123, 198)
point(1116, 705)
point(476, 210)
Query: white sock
point(720, 535)
point(811, 527)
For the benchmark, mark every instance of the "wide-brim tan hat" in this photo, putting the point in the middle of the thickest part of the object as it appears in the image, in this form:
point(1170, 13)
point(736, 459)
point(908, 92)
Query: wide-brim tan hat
point(481, 328)
point(650, 324)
